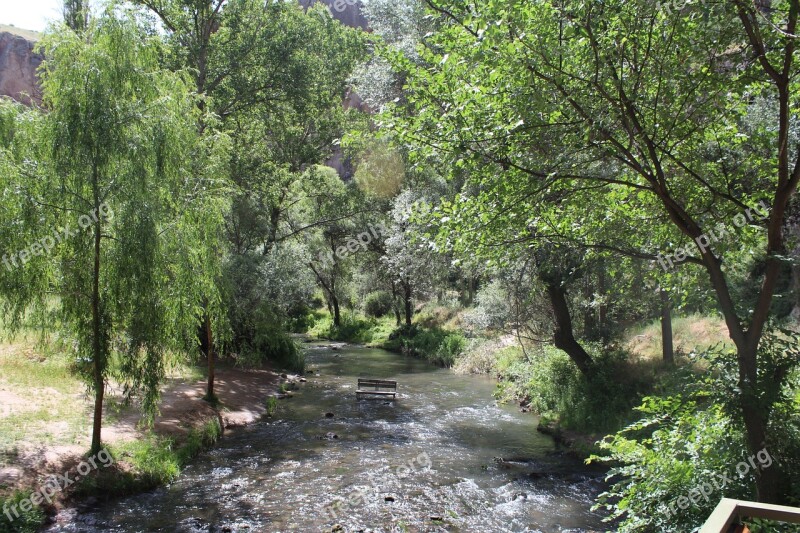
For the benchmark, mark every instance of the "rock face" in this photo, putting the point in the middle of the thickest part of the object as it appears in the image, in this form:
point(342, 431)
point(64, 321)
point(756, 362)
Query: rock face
point(348, 12)
point(18, 64)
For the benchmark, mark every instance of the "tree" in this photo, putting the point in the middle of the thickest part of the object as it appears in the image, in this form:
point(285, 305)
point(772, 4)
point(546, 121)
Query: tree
point(334, 242)
point(268, 71)
point(414, 262)
point(76, 14)
point(639, 116)
point(107, 163)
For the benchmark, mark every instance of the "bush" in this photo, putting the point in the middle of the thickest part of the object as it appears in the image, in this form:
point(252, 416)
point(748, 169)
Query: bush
point(378, 304)
point(28, 521)
point(150, 462)
point(666, 456)
point(436, 345)
point(301, 318)
point(599, 402)
point(691, 438)
point(269, 342)
point(493, 309)
point(352, 329)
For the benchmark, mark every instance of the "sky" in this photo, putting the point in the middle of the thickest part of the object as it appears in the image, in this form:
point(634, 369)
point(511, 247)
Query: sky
point(29, 14)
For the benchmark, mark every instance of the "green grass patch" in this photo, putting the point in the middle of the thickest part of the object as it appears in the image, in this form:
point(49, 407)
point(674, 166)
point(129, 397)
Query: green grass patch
point(28, 521)
point(44, 401)
point(558, 391)
point(272, 406)
point(354, 328)
point(435, 345)
point(147, 463)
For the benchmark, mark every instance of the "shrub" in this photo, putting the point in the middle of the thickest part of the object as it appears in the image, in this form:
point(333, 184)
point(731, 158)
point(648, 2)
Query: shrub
point(436, 345)
point(601, 401)
point(378, 304)
point(352, 329)
point(667, 455)
point(28, 521)
point(268, 342)
point(691, 438)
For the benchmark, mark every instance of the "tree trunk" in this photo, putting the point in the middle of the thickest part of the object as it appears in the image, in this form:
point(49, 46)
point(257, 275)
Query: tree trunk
point(395, 306)
point(98, 348)
point(666, 328)
point(408, 303)
point(772, 485)
point(210, 357)
point(563, 336)
point(337, 315)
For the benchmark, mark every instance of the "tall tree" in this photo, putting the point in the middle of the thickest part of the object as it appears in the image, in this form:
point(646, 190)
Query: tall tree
point(109, 168)
point(271, 72)
point(76, 14)
point(641, 115)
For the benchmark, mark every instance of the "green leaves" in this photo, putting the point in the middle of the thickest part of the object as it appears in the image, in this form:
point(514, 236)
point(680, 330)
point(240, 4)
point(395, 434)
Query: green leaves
point(119, 137)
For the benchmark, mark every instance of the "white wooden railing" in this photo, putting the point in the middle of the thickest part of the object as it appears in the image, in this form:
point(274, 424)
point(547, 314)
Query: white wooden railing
point(729, 512)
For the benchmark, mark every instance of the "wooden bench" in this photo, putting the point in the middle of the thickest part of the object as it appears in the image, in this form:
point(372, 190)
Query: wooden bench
point(377, 387)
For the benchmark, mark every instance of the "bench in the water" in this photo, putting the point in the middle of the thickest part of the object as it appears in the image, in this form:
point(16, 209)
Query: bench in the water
point(377, 387)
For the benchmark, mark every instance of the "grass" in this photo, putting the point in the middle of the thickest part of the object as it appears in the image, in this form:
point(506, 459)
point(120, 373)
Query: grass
point(28, 521)
point(146, 463)
point(689, 333)
point(354, 328)
point(44, 400)
point(435, 344)
point(27, 34)
point(272, 406)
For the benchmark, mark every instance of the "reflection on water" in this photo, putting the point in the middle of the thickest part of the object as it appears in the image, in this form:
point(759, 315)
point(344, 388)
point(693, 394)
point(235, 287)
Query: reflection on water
point(442, 457)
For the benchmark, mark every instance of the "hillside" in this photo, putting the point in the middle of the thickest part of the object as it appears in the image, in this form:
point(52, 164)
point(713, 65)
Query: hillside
point(18, 63)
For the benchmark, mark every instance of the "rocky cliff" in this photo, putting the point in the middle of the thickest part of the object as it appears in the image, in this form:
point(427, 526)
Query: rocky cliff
point(348, 12)
point(18, 64)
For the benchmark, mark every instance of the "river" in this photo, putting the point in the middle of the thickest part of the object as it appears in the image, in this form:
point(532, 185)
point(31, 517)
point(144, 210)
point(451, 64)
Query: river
point(442, 457)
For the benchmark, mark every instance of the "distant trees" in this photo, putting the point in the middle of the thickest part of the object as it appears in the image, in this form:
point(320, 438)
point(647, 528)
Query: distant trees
point(274, 76)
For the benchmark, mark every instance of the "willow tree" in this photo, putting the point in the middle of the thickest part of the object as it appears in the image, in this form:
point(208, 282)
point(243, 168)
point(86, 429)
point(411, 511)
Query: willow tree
point(104, 170)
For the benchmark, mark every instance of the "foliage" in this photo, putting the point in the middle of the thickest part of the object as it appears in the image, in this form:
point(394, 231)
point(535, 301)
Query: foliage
point(28, 522)
point(492, 309)
point(271, 404)
point(352, 328)
point(270, 343)
point(148, 462)
point(378, 304)
point(692, 438)
point(435, 345)
point(555, 388)
point(110, 160)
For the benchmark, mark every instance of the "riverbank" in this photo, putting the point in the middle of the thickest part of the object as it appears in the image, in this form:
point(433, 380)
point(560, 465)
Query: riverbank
point(574, 409)
point(443, 455)
point(45, 429)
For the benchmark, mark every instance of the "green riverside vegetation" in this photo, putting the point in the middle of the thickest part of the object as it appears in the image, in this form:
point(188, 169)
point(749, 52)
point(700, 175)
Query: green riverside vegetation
point(593, 202)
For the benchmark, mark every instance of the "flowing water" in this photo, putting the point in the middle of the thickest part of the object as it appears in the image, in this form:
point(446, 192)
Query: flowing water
point(442, 457)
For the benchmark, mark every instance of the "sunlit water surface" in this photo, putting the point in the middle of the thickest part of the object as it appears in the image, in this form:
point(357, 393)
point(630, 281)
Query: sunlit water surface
point(442, 457)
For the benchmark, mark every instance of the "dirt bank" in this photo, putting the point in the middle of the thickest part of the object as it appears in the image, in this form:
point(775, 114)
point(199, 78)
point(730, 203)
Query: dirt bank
point(242, 394)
